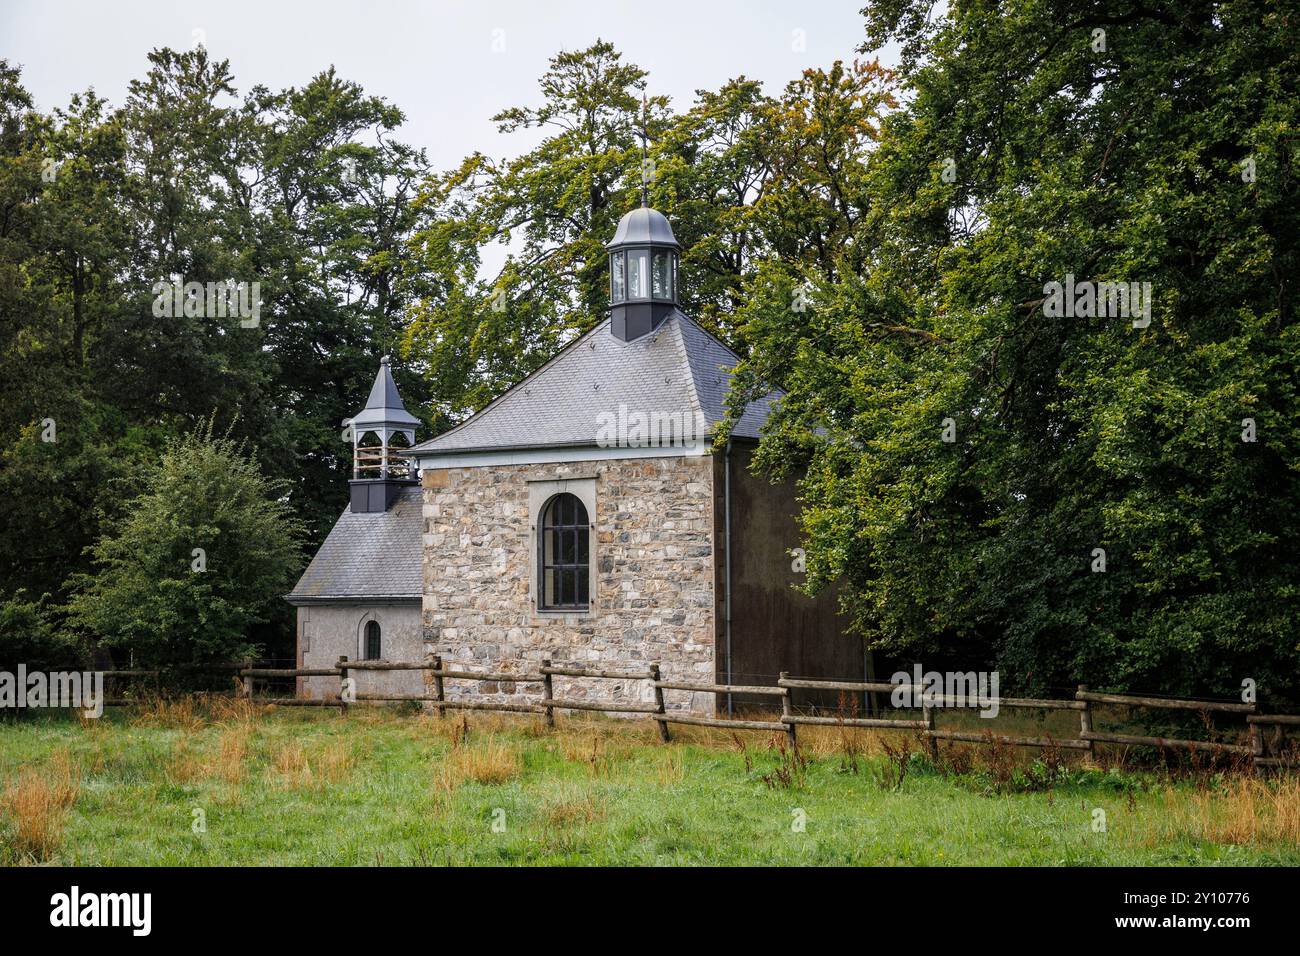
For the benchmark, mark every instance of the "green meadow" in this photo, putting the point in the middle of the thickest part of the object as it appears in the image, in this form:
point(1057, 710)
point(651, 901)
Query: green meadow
point(186, 784)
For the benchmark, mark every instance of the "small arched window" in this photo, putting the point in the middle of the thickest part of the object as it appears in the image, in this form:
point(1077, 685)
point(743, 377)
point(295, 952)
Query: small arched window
point(564, 560)
point(373, 647)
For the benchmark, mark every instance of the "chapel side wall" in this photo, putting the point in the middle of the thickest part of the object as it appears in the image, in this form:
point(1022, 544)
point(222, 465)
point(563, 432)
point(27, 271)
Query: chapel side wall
point(327, 632)
point(774, 627)
point(652, 581)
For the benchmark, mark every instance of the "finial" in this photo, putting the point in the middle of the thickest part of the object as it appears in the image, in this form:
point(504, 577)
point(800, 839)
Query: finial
point(645, 200)
point(385, 360)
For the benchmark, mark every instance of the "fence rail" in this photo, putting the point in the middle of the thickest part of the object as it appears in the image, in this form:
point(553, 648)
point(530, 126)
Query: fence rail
point(788, 722)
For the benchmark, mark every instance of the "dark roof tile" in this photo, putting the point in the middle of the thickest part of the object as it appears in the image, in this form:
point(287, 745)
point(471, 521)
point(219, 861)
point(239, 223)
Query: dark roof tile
point(677, 368)
point(368, 555)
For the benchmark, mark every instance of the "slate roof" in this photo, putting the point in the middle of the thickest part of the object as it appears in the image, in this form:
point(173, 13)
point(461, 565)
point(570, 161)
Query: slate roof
point(679, 366)
point(385, 406)
point(368, 556)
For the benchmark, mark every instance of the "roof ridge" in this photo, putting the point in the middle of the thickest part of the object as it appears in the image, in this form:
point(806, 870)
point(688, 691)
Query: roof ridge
point(727, 348)
point(698, 411)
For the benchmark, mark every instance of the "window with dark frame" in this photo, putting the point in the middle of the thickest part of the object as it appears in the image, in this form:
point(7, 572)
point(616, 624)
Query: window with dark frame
point(638, 278)
point(372, 650)
point(661, 275)
point(564, 555)
point(617, 279)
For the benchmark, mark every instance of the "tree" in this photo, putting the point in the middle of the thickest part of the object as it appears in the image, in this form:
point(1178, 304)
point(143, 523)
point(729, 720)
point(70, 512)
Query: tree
point(742, 175)
point(30, 635)
point(335, 200)
point(1098, 516)
point(305, 192)
point(202, 555)
point(63, 254)
point(553, 208)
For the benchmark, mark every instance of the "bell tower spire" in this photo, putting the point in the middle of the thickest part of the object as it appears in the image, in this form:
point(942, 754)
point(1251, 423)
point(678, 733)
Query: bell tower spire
point(379, 469)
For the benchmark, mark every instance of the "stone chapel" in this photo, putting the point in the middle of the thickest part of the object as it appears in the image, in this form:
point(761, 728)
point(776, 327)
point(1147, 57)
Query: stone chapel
point(584, 516)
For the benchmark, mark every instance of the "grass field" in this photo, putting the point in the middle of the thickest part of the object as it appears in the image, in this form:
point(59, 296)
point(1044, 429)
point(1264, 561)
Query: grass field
point(385, 788)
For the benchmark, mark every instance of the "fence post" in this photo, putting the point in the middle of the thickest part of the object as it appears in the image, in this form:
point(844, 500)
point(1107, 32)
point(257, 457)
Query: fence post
point(787, 710)
point(547, 691)
point(343, 680)
point(932, 742)
point(1085, 717)
point(437, 684)
point(248, 680)
point(659, 703)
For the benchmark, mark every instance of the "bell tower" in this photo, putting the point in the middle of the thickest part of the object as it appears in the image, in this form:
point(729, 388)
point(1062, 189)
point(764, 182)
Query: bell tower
point(379, 433)
point(642, 273)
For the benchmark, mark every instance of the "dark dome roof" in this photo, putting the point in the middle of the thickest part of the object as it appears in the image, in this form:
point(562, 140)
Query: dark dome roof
point(643, 225)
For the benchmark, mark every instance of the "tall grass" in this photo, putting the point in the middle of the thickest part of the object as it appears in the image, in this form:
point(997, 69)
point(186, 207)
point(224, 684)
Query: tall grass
point(490, 762)
point(36, 804)
point(1242, 811)
point(293, 766)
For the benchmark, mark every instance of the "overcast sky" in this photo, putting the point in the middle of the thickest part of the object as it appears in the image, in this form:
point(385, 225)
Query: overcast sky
point(435, 60)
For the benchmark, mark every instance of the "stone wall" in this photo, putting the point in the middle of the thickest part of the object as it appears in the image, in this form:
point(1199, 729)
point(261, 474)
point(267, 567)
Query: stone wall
point(652, 581)
point(327, 632)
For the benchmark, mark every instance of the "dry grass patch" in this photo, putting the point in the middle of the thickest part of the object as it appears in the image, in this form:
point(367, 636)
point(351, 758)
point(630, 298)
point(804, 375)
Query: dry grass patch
point(599, 752)
point(295, 768)
point(1246, 811)
point(572, 810)
point(37, 804)
point(193, 712)
point(232, 753)
point(669, 770)
point(453, 727)
point(226, 709)
point(289, 764)
point(333, 763)
point(565, 818)
point(226, 763)
point(578, 749)
point(96, 737)
point(179, 712)
point(818, 742)
point(185, 766)
point(490, 763)
point(458, 727)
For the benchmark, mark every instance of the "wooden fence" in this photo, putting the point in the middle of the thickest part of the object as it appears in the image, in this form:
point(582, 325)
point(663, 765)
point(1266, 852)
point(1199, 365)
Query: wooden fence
point(1263, 753)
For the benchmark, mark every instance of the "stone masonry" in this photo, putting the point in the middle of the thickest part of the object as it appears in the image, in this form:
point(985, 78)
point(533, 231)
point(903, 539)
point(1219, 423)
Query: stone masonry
point(652, 584)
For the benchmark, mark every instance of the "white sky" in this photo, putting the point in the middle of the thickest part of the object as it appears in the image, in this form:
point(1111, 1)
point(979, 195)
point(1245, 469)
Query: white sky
point(434, 59)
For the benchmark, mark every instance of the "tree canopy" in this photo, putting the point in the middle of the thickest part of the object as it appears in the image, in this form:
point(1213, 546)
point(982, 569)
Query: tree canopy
point(1116, 500)
point(306, 192)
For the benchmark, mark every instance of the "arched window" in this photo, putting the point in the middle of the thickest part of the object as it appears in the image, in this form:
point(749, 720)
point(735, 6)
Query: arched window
point(372, 649)
point(564, 548)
